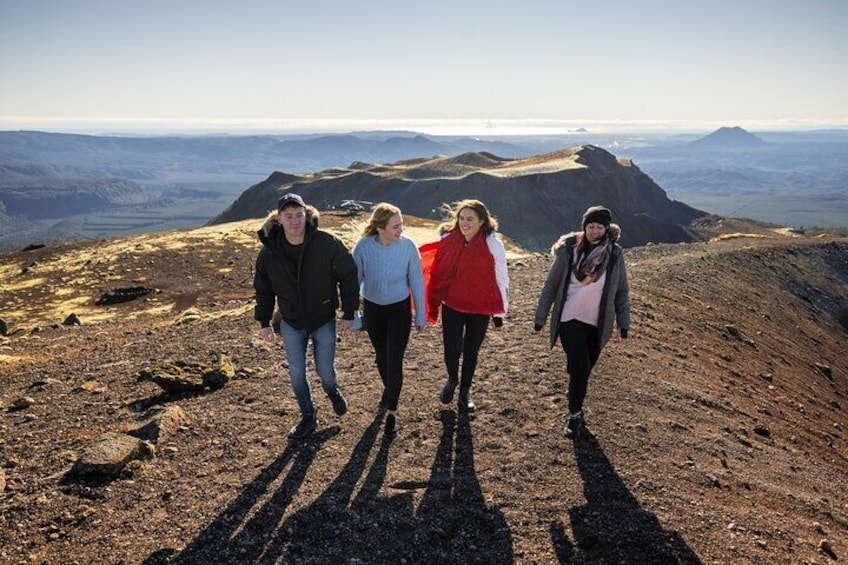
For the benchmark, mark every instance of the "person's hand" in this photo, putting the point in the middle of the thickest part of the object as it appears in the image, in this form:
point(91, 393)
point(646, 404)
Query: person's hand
point(267, 334)
point(622, 336)
point(346, 324)
point(539, 329)
point(498, 322)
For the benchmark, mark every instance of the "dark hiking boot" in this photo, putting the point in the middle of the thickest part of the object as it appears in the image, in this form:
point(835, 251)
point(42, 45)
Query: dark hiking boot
point(575, 426)
point(339, 403)
point(391, 425)
point(306, 426)
point(464, 401)
point(447, 391)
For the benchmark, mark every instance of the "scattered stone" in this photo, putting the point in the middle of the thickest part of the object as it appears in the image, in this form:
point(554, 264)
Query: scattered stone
point(744, 441)
point(120, 295)
point(824, 370)
point(4, 327)
point(182, 376)
point(23, 403)
point(161, 423)
point(731, 330)
point(93, 387)
point(714, 482)
point(827, 549)
point(33, 247)
point(12, 462)
point(2, 480)
point(41, 383)
point(762, 431)
point(220, 375)
point(110, 453)
point(819, 528)
point(72, 320)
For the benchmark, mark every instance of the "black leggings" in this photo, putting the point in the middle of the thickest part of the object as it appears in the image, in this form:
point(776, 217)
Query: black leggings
point(388, 327)
point(454, 325)
point(582, 348)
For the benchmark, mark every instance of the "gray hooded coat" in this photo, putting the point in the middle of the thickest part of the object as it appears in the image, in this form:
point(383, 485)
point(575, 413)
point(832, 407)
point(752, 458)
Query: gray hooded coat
point(615, 300)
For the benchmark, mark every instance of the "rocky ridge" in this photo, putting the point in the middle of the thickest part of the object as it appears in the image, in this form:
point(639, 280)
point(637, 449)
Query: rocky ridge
point(535, 198)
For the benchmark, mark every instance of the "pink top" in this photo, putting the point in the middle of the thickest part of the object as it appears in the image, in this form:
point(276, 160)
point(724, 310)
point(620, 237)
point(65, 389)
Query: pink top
point(583, 301)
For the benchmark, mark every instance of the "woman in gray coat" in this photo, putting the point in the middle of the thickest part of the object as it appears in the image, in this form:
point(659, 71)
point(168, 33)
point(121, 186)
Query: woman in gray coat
point(588, 290)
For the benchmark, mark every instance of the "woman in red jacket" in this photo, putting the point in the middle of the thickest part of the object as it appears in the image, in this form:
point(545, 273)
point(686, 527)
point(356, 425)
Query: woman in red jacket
point(466, 277)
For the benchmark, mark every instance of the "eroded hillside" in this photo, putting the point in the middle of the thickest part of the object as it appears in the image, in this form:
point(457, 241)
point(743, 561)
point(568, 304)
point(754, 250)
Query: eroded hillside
point(718, 431)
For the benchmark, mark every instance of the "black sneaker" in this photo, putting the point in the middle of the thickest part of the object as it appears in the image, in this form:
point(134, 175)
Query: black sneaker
point(339, 403)
point(447, 390)
point(465, 402)
point(574, 427)
point(391, 425)
point(306, 426)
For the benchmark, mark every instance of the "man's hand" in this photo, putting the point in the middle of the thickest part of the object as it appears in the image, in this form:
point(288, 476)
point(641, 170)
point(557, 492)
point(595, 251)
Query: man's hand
point(346, 324)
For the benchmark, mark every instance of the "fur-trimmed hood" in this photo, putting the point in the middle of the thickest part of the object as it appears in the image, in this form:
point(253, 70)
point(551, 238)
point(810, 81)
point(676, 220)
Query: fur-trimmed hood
point(270, 223)
point(614, 232)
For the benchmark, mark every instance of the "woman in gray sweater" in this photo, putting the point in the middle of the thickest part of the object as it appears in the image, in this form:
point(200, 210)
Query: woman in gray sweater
point(389, 266)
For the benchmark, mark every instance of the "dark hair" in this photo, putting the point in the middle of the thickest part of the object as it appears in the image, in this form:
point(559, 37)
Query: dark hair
point(451, 223)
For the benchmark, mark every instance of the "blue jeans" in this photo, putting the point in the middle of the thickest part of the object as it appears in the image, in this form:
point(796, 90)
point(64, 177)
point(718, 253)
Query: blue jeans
point(324, 353)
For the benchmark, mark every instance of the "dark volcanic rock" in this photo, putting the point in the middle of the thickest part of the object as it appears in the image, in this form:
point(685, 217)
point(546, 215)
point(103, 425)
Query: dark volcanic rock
point(119, 295)
point(535, 199)
point(110, 453)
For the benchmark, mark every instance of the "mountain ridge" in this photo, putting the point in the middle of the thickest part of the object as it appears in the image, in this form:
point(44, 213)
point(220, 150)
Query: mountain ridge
point(548, 189)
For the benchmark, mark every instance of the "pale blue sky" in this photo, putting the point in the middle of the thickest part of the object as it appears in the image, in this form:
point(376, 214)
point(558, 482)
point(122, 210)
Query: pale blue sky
point(115, 64)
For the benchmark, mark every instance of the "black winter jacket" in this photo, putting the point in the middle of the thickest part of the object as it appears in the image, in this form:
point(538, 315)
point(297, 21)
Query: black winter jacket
point(326, 269)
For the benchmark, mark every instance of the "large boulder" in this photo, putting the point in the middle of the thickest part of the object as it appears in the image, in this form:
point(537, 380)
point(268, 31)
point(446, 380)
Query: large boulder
point(177, 377)
point(110, 453)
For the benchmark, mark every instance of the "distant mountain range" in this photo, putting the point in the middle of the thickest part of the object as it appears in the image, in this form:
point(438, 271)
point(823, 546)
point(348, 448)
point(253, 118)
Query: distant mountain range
point(64, 186)
point(535, 199)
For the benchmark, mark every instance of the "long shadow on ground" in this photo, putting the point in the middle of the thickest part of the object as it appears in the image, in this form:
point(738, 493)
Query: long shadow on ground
point(612, 527)
point(239, 534)
point(452, 524)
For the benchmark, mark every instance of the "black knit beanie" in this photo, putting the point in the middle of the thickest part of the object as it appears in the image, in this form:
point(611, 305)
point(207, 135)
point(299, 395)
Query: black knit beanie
point(597, 214)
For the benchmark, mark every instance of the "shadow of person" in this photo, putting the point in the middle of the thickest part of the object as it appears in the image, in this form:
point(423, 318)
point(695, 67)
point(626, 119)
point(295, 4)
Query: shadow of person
point(612, 527)
point(459, 527)
point(334, 528)
point(239, 534)
point(453, 524)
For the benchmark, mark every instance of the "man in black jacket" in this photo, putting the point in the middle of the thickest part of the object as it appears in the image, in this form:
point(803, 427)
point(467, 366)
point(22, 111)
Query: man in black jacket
point(305, 269)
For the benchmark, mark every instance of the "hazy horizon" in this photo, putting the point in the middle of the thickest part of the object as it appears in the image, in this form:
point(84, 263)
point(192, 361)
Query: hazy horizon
point(474, 68)
point(481, 128)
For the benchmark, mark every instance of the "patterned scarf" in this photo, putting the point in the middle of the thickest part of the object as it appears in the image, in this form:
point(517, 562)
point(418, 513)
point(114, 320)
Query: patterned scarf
point(590, 263)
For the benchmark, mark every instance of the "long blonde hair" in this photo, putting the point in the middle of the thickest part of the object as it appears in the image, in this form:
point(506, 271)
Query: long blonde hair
point(451, 223)
point(381, 213)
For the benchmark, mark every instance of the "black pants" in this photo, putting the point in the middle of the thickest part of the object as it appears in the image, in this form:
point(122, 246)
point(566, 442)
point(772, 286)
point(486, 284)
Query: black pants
point(463, 335)
point(582, 348)
point(388, 327)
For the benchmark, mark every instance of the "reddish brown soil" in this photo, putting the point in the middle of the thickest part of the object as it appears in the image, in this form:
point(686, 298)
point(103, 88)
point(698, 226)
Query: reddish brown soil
point(714, 438)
